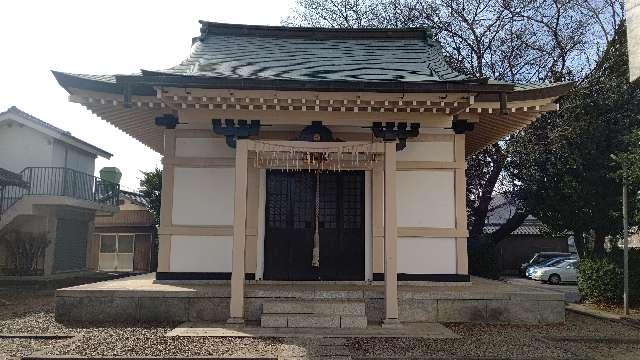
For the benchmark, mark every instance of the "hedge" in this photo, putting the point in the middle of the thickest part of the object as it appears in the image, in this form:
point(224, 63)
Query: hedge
point(600, 280)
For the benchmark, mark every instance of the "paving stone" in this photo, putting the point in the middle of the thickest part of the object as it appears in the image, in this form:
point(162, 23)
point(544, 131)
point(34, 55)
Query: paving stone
point(374, 310)
point(339, 294)
point(252, 308)
point(325, 307)
point(551, 312)
point(209, 309)
point(273, 321)
point(164, 309)
point(97, 309)
point(514, 312)
point(353, 321)
point(313, 321)
point(418, 310)
point(462, 310)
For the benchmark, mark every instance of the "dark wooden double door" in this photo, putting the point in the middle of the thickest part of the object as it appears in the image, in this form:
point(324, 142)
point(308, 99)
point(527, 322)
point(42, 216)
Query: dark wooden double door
point(290, 213)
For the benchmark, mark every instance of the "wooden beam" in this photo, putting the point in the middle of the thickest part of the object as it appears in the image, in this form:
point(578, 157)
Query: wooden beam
point(197, 230)
point(431, 232)
point(425, 165)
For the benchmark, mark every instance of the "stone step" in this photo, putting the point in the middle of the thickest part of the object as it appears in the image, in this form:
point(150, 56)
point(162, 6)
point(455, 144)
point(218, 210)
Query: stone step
point(312, 321)
point(318, 307)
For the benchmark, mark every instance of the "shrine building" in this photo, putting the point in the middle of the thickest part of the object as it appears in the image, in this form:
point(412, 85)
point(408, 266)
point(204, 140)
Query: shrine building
point(312, 155)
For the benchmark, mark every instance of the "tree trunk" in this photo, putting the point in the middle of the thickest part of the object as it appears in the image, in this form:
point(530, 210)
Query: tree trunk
point(578, 240)
point(508, 227)
point(598, 243)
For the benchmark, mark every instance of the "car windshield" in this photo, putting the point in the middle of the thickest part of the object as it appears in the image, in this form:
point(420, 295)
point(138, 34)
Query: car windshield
point(553, 262)
point(567, 263)
point(539, 259)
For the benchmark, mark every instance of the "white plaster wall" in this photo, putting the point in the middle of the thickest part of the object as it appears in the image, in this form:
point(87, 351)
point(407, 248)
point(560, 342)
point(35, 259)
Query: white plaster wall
point(80, 161)
point(201, 253)
point(21, 147)
point(426, 198)
point(203, 147)
point(203, 196)
point(418, 255)
point(57, 157)
point(427, 151)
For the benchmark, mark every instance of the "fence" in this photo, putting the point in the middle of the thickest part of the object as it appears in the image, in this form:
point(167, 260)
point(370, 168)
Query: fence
point(59, 181)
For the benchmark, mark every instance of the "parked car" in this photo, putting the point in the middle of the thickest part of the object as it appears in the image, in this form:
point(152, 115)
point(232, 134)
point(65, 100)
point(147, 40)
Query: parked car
point(549, 263)
point(565, 271)
point(539, 258)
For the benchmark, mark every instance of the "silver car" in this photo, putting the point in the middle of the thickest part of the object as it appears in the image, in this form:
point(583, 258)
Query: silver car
point(565, 271)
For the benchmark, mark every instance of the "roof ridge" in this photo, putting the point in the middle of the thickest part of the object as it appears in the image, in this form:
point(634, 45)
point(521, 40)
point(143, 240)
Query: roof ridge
point(25, 115)
point(217, 28)
point(15, 110)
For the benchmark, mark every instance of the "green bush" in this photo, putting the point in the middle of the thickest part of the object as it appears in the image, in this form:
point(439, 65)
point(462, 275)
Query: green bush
point(600, 280)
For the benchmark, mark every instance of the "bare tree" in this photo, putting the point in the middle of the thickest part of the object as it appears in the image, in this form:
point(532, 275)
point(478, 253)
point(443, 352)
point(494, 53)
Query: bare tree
point(510, 40)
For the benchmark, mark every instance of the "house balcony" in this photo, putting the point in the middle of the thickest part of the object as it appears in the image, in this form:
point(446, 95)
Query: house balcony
point(57, 186)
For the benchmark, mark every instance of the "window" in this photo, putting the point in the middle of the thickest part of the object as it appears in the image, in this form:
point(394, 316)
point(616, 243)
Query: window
point(108, 243)
point(116, 252)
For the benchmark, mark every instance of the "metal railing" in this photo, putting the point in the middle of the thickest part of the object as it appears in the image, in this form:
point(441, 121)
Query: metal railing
point(60, 181)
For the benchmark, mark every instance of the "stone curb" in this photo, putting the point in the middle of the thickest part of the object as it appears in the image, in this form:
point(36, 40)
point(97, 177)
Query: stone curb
point(583, 310)
point(593, 339)
point(37, 336)
point(630, 320)
point(76, 357)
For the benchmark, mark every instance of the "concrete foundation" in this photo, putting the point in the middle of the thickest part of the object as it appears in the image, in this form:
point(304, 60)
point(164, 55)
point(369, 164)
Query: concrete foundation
point(139, 298)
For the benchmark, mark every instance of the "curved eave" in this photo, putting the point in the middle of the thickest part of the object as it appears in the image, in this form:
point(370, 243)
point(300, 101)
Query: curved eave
point(151, 79)
point(524, 105)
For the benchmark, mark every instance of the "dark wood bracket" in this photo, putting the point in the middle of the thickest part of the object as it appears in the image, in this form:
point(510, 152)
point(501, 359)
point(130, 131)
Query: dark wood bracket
point(232, 131)
point(391, 131)
point(462, 126)
point(168, 121)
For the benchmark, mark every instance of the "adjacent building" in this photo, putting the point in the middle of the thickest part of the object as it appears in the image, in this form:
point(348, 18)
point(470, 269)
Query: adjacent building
point(56, 197)
point(312, 154)
point(124, 241)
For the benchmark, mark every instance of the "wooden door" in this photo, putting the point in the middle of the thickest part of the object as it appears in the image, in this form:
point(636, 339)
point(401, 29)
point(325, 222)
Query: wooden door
point(290, 224)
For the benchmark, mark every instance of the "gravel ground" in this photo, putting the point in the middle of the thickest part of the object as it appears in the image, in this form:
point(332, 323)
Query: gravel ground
point(21, 347)
point(36, 316)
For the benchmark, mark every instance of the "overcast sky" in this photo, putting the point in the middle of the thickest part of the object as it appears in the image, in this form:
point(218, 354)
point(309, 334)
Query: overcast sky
point(104, 37)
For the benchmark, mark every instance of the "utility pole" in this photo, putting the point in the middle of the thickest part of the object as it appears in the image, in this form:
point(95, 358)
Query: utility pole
point(625, 239)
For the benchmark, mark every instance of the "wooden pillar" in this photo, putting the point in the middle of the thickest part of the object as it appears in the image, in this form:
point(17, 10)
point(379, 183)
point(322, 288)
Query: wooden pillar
point(390, 238)
point(462, 262)
point(236, 310)
point(166, 205)
point(377, 219)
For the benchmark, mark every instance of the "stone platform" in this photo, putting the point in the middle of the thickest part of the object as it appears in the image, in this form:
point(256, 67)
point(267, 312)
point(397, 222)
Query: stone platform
point(425, 330)
point(140, 298)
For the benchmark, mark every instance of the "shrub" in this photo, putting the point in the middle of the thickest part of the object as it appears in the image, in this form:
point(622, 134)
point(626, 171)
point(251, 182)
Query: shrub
point(600, 280)
point(24, 252)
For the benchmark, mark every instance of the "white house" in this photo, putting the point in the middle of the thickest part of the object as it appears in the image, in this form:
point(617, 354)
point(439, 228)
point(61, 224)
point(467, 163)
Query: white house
point(61, 196)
